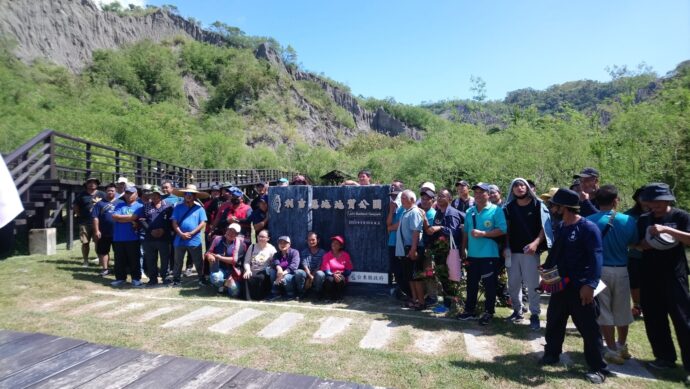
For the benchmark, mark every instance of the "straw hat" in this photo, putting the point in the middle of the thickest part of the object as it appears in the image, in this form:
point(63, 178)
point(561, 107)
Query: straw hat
point(191, 188)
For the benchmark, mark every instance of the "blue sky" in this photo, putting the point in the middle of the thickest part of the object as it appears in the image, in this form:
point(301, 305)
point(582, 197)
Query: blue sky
point(418, 51)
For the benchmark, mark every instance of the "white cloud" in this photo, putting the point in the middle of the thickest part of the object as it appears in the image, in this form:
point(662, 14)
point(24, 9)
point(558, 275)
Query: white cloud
point(124, 3)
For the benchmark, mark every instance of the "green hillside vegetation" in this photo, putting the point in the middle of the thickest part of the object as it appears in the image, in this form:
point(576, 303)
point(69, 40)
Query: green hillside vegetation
point(133, 99)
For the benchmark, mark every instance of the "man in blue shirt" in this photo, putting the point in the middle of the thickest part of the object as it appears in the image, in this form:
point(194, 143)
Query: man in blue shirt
point(126, 240)
point(103, 225)
point(618, 231)
point(483, 222)
point(408, 247)
point(188, 222)
point(577, 252)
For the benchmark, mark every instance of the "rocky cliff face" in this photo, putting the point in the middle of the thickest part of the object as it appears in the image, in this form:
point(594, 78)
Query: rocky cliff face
point(67, 32)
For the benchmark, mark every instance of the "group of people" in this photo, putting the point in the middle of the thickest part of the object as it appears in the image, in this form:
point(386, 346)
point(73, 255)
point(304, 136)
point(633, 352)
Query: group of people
point(163, 225)
point(573, 243)
point(597, 260)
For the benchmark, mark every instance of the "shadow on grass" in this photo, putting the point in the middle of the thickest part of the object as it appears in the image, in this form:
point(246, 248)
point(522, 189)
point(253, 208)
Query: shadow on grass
point(521, 368)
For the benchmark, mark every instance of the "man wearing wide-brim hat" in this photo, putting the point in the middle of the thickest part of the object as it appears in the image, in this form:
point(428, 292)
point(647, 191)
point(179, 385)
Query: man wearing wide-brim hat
point(82, 206)
point(188, 221)
point(578, 253)
point(664, 286)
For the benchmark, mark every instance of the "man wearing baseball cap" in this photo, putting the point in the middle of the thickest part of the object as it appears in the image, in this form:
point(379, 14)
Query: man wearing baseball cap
point(464, 200)
point(126, 240)
point(589, 183)
point(483, 222)
point(664, 287)
point(577, 253)
point(82, 206)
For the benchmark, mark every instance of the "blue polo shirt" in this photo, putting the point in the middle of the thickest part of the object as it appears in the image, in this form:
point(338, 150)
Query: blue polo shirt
point(194, 217)
point(103, 211)
point(622, 234)
point(489, 218)
point(125, 232)
point(410, 221)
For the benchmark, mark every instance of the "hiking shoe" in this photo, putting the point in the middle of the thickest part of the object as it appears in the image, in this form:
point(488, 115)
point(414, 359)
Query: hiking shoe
point(516, 317)
point(467, 316)
point(534, 322)
point(485, 319)
point(623, 351)
point(548, 360)
point(137, 283)
point(104, 273)
point(614, 357)
point(660, 364)
point(117, 283)
point(595, 377)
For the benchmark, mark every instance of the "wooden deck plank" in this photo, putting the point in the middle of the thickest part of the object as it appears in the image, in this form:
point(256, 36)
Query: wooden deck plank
point(252, 378)
point(213, 377)
point(322, 384)
point(52, 366)
point(87, 371)
point(170, 375)
point(127, 373)
point(289, 381)
point(20, 343)
point(11, 336)
point(34, 353)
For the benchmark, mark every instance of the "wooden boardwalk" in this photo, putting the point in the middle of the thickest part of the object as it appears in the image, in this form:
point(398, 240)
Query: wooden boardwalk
point(45, 361)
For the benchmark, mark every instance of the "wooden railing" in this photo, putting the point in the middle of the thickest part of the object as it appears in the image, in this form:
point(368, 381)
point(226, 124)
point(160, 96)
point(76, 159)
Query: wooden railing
point(51, 155)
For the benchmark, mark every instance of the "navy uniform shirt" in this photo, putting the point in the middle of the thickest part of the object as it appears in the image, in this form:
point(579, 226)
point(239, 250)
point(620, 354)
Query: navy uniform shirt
point(580, 255)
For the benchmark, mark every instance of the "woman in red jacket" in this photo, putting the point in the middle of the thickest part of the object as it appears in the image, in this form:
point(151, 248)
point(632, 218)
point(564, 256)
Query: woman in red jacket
point(337, 266)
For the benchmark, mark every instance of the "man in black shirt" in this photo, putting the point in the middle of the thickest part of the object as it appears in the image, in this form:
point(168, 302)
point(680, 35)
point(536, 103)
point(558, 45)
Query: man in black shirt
point(664, 284)
point(529, 233)
point(82, 206)
point(464, 200)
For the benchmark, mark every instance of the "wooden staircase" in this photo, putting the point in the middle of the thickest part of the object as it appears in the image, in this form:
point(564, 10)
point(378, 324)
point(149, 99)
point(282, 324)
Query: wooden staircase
point(50, 169)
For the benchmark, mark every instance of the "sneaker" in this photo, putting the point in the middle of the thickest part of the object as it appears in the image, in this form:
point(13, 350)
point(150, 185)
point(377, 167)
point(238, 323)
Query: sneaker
point(660, 364)
point(485, 319)
point(221, 289)
point(595, 377)
point(137, 283)
point(104, 273)
point(534, 322)
point(152, 284)
point(614, 357)
point(516, 317)
point(167, 281)
point(144, 276)
point(467, 316)
point(85, 264)
point(176, 284)
point(548, 360)
point(623, 351)
point(117, 283)
point(188, 272)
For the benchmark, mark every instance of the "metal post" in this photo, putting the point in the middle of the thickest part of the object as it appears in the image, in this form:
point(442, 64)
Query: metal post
point(70, 221)
point(88, 160)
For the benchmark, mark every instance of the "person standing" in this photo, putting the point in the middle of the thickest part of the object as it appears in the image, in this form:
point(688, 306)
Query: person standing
point(82, 206)
point(188, 221)
point(589, 183)
point(577, 254)
point(464, 200)
point(495, 195)
point(664, 286)
point(483, 222)
point(529, 233)
point(155, 218)
point(635, 257)
point(126, 240)
point(103, 225)
point(408, 247)
point(618, 231)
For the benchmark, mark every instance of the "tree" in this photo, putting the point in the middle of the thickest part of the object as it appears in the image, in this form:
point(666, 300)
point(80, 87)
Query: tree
point(478, 88)
point(289, 55)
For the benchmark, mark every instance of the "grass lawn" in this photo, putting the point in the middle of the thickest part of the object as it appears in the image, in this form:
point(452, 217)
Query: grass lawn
point(423, 350)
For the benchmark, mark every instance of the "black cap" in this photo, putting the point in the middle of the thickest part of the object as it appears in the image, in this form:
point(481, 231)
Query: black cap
point(482, 186)
point(657, 191)
point(566, 198)
point(215, 187)
point(587, 172)
point(462, 182)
